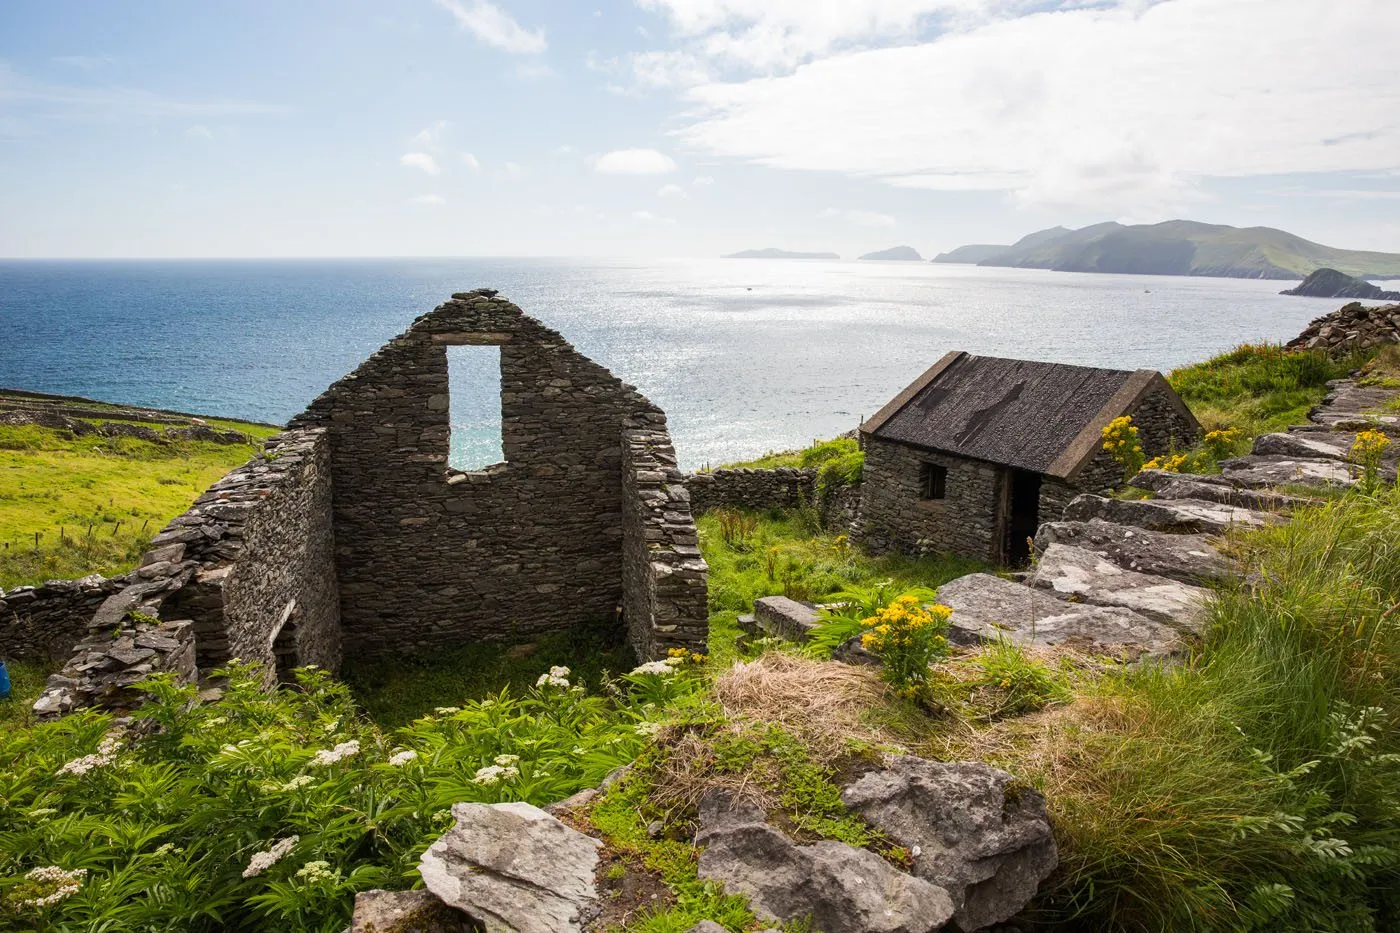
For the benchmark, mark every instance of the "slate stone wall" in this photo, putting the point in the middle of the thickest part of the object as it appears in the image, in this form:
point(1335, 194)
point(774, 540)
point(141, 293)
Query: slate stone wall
point(893, 517)
point(43, 623)
point(785, 487)
point(428, 557)
point(1350, 328)
point(663, 574)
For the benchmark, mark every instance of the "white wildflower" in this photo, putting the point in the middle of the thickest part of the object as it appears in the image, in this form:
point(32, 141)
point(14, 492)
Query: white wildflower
point(167, 848)
point(494, 774)
point(331, 726)
point(557, 677)
point(59, 884)
point(505, 761)
point(331, 755)
point(262, 861)
point(399, 759)
point(660, 668)
point(296, 783)
point(216, 721)
point(106, 753)
point(312, 872)
point(648, 729)
point(577, 750)
point(447, 710)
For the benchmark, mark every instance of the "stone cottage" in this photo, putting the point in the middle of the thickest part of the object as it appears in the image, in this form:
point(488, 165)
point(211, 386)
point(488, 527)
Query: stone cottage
point(976, 452)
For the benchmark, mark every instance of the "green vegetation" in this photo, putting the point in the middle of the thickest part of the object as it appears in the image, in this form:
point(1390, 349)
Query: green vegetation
point(94, 502)
point(26, 683)
point(820, 452)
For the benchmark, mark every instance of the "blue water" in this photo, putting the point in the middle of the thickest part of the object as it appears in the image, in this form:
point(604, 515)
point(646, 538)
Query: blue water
point(744, 355)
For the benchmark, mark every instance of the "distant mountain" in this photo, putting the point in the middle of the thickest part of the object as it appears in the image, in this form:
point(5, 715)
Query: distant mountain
point(970, 254)
point(1181, 247)
point(905, 253)
point(1329, 283)
point(771, 253)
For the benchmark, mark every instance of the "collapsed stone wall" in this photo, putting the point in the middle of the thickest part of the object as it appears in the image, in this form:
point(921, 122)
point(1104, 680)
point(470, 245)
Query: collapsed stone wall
point(43, 623)
point(1350, 328)
point(428, 557)
point(747, 488)
point(223, 580)
point(663, 574)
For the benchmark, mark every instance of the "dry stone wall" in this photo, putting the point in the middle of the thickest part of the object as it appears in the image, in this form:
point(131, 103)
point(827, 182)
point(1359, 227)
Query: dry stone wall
point(43, 623)
point(893, 516)
point(1350, 328)
point(744, 488)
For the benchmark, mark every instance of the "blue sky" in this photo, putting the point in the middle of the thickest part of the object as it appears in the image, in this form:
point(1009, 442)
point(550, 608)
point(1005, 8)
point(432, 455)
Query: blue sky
point(684, 127)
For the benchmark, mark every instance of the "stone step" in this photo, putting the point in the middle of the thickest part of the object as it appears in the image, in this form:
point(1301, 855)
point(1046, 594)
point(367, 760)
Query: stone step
point(786, 618)
point(1192, 559)
point(1176, 516)
point(1213, 489)
point(1258, 472)
point(986, 608)
point(1080, 575)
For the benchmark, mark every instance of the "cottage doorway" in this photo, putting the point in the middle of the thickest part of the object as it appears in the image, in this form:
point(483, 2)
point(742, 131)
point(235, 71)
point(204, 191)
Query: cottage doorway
point(1023, 517)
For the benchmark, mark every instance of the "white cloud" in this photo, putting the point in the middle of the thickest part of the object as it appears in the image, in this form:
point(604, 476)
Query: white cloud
point(429, 137)
point(431, 199)
point(199, 131)
point(672, 191)
point(643, 216)
point(669, 69)
point(513, 170)
point(1122, 108)
point(495, 26)
point(635, 162)
point(471, 161)
point(420, 160)
point(861, 218)
point(702, 181)
point(533, 70)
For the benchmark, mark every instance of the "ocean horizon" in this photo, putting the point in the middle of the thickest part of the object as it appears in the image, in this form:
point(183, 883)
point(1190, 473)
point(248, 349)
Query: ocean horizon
point(745, 356)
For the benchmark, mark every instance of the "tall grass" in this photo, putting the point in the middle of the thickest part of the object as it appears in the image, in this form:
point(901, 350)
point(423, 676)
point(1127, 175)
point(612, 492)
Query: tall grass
point(1256, 786)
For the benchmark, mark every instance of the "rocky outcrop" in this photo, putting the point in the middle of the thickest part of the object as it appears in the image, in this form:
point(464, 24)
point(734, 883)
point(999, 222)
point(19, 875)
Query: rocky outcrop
point(1191, 559)
point(513, 867)
point(1079, 574)
point(1329, 283)
point(839, 888)
point(1349, 328)
point(987, 608)
point(407, 912)
point(1255, 472)
point(973, 831)
point(1212, 489)
point(1176, 516)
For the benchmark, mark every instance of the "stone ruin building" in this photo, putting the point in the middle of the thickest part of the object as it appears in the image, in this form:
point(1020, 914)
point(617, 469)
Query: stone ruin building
point(972, 454)
point(352, 536)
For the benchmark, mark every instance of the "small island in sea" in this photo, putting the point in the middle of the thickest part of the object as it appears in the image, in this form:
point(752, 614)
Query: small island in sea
point(1177, 247)
point(902, 253)
point(1329, 283)
point(774, 253)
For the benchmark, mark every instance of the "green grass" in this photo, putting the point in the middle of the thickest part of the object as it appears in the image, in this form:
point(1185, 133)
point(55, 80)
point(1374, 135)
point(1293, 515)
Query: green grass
point(396, 691)
point(27, 680)
point(94, 502)
point(820, 452)
point(1258, 388)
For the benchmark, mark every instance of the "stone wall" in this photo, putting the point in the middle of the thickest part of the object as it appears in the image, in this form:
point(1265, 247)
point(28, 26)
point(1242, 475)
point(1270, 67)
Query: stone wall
point(43, 623)
point(1351, 327)
point(428, 557)
point(893, 517)
point(785, 487)
point(663, 574)
point(223, 580)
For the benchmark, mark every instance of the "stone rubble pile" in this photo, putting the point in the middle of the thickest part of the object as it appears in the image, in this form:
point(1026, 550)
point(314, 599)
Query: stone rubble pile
point(1352, 327)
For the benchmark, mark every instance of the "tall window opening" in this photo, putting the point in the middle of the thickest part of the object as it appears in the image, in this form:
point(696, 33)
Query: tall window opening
point(933, 481)
point(474, 412)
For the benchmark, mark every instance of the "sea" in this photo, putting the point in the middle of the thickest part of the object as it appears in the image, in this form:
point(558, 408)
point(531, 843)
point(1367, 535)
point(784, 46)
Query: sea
point(745, 356)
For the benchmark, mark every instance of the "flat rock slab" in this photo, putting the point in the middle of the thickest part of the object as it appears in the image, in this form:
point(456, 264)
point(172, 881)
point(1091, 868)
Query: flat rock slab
point(407, 912)
point(1312, 445)
point(785, 617)
point(1069, 571)
point(986, 608)
point(1189, 558)
point(836, 887)
point(974, 832)
point(1213, 488)
point(1176, 516)
point(513, 868)
point(1257, 471)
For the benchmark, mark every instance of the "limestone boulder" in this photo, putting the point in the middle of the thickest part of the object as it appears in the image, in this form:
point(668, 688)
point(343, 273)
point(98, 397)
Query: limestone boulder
point(1213, 489)
point(513, 868)
point(1077, 573)
point(841, 889)
point(784, 617)
point(974, 831)
point(1258, 471)
point(1314, 445)
point(1192, 559)
point(1175, 516)
point(407, 912)
point(986, 608)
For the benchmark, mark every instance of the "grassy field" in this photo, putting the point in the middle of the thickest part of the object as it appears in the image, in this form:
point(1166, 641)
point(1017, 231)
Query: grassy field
point(71, 506)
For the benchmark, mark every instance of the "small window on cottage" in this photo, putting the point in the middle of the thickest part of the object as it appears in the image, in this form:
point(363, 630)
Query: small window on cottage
point(933, 481)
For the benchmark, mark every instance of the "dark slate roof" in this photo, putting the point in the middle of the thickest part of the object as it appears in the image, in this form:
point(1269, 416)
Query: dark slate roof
point(1042, 417)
